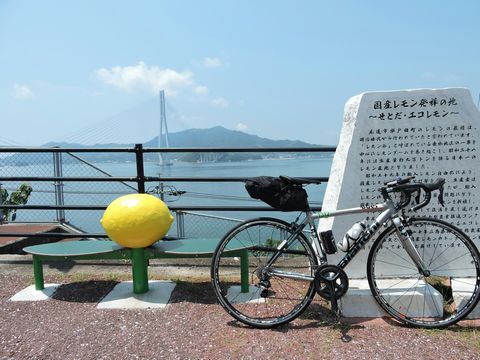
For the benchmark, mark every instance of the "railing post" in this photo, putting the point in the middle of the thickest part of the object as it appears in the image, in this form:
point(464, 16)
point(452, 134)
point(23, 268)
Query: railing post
point(58, 184)
point(162, 189)
point(180, 218)
point(1, 210)
point(139, 261)
point(140, 168)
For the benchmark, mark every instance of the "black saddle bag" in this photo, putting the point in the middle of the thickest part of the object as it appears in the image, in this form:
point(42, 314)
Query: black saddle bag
point(278, 193)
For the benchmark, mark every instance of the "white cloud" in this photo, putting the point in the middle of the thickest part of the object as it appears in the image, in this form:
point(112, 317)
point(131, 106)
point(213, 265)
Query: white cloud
point(210, 62)
point(200, 90)
point(220, 102)
point(242, 127)
point(153, 79)
point(22, 92)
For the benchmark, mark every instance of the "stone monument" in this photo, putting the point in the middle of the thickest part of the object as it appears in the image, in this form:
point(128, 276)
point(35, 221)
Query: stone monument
point(428, 133)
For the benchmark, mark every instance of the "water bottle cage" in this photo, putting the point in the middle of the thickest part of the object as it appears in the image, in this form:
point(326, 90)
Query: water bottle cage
point(352, 235)
point(347, 243)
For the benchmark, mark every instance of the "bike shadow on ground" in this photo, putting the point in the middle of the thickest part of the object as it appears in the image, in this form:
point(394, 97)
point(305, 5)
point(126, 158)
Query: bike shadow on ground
point(343, 328)
point(317, 315)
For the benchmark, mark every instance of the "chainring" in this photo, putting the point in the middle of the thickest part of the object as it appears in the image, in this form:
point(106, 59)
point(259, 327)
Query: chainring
point(328, 275)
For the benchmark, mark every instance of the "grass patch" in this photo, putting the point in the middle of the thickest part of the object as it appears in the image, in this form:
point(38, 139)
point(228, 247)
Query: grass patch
point(87, 276)
point(181, 278)
point(469, 335)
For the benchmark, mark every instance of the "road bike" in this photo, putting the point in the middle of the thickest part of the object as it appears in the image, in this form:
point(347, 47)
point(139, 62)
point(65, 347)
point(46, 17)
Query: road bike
point(422, 271)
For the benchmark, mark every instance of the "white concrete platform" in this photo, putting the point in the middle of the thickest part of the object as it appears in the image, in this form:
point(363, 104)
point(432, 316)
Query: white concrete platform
point(461, 288)
point(122, 296)
point(31, 294)
point(404, 294)
point(359, 302)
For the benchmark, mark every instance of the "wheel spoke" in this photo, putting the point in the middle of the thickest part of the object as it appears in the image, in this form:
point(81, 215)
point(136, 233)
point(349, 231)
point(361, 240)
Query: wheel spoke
point(277, 299)
point(433, 300)
point(449, 262)
point(411, 298)
point(406, 291)
point(442, 298)
point(407, 260)
point(393, 264)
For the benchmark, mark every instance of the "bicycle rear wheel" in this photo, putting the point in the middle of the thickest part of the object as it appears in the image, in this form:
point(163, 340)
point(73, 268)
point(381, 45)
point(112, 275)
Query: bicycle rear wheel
point(247, 289)
point(447, 295)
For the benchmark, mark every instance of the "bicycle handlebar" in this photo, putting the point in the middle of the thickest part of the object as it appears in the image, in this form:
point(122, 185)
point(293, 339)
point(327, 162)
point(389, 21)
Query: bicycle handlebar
point(407, 189)
point(399, 181)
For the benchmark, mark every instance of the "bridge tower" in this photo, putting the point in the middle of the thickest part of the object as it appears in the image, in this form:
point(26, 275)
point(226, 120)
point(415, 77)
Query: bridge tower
point(164, 158)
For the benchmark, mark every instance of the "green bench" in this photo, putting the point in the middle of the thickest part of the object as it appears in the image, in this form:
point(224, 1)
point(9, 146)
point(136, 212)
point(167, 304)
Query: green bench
point(105, 250)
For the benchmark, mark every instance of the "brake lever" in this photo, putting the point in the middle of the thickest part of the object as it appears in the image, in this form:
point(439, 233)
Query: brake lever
point(440, 196)
point(417, 196)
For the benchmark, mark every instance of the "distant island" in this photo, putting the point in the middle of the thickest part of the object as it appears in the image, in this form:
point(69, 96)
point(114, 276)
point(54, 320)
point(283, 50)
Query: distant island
point(217, 136)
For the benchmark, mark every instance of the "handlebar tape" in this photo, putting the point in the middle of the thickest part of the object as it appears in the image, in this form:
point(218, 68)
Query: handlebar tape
point(408, 189)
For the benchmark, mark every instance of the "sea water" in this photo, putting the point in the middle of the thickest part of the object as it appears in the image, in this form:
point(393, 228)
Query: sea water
point(192, 193)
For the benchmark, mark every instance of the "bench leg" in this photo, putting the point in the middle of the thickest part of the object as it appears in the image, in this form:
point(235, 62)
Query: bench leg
point(139, 271)
point(38, 273)
point(244, 280)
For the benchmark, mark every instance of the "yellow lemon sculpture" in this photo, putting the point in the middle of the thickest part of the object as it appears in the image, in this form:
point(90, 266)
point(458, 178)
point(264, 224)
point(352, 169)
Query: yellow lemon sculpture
point(136, 220)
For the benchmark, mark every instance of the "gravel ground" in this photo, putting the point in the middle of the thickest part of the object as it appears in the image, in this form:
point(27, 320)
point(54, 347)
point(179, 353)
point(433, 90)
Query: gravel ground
point(194, 326)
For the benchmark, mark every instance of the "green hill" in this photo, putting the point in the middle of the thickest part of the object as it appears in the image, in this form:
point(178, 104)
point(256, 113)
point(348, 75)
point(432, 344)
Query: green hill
point(217, 136)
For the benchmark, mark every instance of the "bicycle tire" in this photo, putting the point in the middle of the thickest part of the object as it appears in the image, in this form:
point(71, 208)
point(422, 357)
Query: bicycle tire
point(284, 299)
point(447, 295)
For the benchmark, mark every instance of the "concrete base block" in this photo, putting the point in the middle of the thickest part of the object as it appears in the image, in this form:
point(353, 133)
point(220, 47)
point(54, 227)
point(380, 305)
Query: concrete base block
point(235, 296)
point(359, 301)
point(463, 288)
point(31, 294)
point(122, 296)
point(475, 314)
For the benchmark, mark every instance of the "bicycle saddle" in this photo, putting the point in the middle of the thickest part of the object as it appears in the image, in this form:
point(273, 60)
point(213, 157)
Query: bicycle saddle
point(299, 181)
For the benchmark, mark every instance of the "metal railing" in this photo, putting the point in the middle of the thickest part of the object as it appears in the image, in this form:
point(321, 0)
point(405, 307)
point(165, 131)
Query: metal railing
point(61, 206)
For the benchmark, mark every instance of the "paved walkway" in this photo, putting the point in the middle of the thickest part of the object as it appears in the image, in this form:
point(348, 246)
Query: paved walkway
point(193, 325)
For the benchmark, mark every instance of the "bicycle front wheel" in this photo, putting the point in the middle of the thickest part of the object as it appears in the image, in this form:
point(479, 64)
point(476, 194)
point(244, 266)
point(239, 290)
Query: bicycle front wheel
point(256, 294)
point(448, 293)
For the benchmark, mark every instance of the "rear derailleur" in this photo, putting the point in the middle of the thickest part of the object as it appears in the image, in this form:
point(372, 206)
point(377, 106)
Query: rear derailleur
point(264, 284)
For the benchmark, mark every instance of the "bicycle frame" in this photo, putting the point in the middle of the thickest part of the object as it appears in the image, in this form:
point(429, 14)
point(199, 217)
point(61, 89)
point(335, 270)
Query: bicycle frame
point(387, 210)
point(388, 213)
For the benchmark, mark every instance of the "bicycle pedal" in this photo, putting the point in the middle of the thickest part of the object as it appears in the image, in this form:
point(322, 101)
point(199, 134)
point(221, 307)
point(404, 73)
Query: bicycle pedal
point(338, 314)
point(336, 310)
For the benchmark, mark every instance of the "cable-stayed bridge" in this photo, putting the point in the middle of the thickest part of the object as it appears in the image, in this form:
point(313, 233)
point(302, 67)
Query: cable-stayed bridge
point(138, 124)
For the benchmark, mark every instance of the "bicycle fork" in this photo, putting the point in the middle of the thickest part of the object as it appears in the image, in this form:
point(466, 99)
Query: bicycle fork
point(405, 236)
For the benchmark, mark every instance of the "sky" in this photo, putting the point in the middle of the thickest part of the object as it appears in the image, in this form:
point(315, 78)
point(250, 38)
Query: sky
point(90, 71)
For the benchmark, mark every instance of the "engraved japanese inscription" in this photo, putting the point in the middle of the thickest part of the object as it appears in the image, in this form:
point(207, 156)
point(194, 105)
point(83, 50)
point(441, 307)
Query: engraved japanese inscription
point(426, 133)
